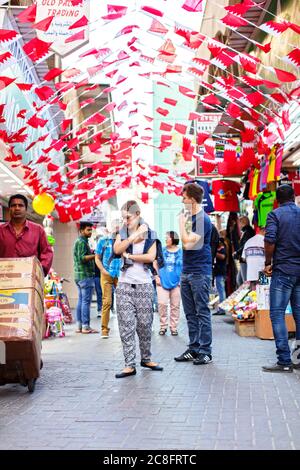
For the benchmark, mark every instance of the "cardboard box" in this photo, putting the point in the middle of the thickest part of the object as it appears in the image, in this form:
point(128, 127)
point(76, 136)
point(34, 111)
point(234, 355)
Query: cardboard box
point(21, 273)
point(21, 299)
point(263, 325)
point(244, 327)
point(21, 319)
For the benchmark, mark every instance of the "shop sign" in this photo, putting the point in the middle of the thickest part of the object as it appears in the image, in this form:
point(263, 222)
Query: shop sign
point(207, 122)
point(65, 14)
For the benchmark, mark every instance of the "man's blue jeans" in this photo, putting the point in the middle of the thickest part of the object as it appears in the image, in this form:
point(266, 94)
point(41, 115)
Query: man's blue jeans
point(195, 290)
point(284, 288)
point(83, 310)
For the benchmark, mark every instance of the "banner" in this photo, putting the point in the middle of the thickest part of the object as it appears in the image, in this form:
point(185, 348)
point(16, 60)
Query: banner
point(65, 15)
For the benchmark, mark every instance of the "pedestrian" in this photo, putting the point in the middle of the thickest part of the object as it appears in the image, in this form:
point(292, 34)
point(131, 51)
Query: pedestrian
point(168, 284)
point(137, 245)
point(196, 275)
point(233, 235)
point(219, 273)
point(84, 274)
point(21, 238)
point(97, 280)
point(254, 257)
point(110, 271)
point(247, 233)
point(282, 250)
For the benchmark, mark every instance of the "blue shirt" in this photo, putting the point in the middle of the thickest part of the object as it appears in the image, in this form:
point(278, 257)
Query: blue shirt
point(206, 200)
point(198, 260)
point(170, 273)
point(105, 250)
point(283, 230)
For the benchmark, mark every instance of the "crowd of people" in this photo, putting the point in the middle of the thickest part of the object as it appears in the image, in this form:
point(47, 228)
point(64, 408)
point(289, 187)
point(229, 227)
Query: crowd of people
point(131, 263)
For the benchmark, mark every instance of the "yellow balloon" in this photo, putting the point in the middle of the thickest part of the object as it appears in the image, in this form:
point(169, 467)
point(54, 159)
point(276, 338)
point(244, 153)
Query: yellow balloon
point(43, 204)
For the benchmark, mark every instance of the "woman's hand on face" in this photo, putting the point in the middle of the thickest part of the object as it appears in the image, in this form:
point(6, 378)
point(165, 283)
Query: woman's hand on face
point(141, 230)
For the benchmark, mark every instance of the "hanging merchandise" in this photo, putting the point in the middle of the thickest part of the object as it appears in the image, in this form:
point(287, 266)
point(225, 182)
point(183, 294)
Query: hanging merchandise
point(272, 165)
point(207, 203)
point(264, 203)
point(225, 192)
point(254, 179)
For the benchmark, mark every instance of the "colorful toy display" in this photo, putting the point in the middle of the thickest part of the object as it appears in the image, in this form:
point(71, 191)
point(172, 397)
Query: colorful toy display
point(57, 308)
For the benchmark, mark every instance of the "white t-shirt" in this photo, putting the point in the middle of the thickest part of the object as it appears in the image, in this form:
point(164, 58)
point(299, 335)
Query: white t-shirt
point(254, 254)
point(136, 274)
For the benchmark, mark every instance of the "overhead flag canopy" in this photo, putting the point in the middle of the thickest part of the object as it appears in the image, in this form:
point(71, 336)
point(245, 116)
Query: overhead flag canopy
point(132, 49)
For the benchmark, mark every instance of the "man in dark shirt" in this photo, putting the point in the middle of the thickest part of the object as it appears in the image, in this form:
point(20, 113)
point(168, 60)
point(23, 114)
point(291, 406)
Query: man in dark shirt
point(196, 276)
point(282, 248)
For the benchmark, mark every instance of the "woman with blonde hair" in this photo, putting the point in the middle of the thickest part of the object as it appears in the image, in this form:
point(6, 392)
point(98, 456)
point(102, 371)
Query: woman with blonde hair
point(137, 245)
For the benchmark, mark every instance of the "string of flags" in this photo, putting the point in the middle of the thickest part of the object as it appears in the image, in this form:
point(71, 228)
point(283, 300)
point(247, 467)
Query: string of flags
point(254, 104)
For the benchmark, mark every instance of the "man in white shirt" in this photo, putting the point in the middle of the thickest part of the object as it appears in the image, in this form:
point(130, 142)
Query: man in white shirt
point(254, 255)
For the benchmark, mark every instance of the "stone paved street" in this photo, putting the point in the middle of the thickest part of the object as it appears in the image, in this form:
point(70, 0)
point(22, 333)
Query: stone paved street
point(228, 404)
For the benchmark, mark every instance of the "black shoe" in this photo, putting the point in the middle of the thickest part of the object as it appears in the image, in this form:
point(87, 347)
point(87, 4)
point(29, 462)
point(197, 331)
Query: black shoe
point(202, 359)
point(157, 367)
point(296, 366)
point(219, 312)
point(188, 355)
point(278, 368)
point(121, 375)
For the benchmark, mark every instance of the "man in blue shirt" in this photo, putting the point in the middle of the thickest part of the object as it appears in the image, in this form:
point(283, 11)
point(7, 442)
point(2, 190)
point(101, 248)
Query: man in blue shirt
point(282, 248)
point(196, 275)
point(110, 270)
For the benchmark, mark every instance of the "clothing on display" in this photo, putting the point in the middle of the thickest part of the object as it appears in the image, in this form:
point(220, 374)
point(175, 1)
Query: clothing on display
point(264, 203)
point(207, 203)
point(225, 192)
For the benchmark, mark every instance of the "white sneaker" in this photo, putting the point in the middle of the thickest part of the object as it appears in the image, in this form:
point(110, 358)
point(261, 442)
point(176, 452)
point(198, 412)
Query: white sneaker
point(104, 336)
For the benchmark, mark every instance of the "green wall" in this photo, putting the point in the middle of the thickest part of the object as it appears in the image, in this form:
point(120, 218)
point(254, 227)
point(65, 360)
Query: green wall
point(167, 206)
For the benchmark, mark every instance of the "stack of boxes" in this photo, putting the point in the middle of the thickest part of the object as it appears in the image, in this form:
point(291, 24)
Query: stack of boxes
point(21, 318)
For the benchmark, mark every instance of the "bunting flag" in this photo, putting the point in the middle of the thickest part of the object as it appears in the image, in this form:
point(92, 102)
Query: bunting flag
point(193, 5)
point(28, 15)
point(44, 24)
point(36, 49)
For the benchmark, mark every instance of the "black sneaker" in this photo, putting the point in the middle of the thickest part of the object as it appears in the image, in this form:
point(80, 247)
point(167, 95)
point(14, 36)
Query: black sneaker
point(278, 368)
point(202, 359)
point(188, 355)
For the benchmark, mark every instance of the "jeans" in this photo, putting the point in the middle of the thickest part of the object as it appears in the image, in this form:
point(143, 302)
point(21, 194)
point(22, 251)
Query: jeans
point(242, 274)
point(195, 290)
point(98, 289)
point(85, 292)
point(284, 288)
point(220, 285)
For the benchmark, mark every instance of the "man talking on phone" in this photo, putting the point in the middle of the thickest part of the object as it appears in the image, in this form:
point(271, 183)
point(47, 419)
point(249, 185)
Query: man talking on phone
point(195, 232)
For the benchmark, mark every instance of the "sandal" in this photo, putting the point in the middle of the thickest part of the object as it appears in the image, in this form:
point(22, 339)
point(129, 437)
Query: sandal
point(162, 331)
point(174, 333)
point(90, 330)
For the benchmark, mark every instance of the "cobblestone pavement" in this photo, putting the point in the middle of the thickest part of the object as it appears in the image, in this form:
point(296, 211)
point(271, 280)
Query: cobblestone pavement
point(227, 404)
